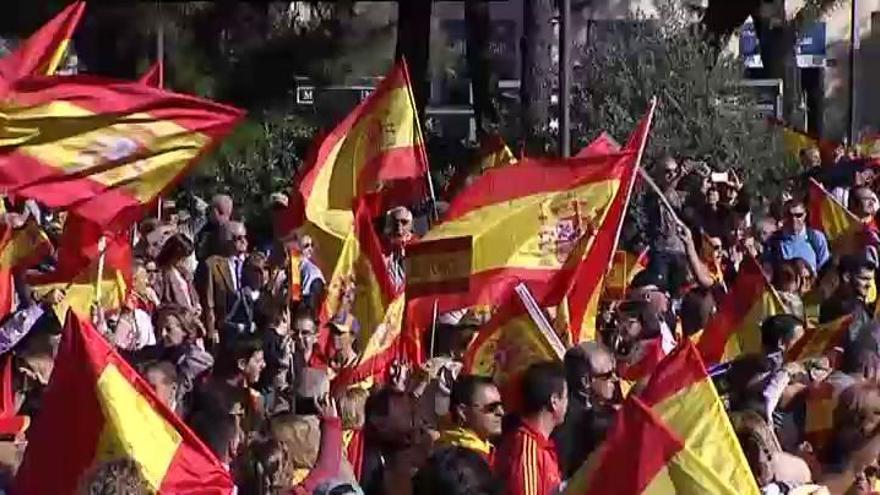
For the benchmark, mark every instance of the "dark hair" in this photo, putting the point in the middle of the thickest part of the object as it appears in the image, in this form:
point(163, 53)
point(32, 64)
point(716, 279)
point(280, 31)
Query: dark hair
point(540, 382)
point(216, 430)
point(464, 389)
point(175, 248)
point(853, 264)
point(785, 273)
point(379, 403)
point(242, 347)
point(455, 471)
point(777, 329)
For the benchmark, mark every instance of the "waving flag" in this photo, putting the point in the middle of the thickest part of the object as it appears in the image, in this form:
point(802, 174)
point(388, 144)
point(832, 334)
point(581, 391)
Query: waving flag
point(377, 147)
point(624, 268)
point(361, 287)
point(76, 272)
point(97, 408)
point(155, 75)
point(493, 153)
point(19, 249)
point(103, 148)
point(602, 145)
point(839, 225)
point(582, 297)
point(820, 340)
point(735, 329)
point(41, 54)
point(674, 437)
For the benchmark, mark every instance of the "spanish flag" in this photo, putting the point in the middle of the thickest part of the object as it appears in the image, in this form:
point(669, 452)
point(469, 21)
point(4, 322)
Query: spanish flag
point(735, 329)
point(42, 53)
point(493, 153)
point(585, 290)
point(377, 147)
point(19, 249)
point(154, 76)
point(77, 270)
point(602, 145)
point(103, 148)
point(820, 340)
point(827, 215)
point(674, 437)
point(95, 409)
point(361, 287)
point(624, 268)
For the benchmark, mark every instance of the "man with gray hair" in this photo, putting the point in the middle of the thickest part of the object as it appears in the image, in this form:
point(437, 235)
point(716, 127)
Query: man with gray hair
point(593, 399)
point(219, 278)
point(398, 233)
point(209, 242)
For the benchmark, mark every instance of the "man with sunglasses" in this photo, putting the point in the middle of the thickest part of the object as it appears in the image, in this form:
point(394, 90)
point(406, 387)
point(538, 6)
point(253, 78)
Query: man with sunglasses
point(796, 240)
point(476, 411)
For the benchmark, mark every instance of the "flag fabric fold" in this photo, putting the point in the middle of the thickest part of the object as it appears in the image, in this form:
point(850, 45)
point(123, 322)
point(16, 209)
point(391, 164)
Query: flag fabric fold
point(840, 226)
point(19, 249)
point(100, 147)
point(624, 268)
point(154, 76)
point(735, 329)
point(43, 51)
point(97, 408)
point(820, 340)
point(673, 437)
point(376, 147)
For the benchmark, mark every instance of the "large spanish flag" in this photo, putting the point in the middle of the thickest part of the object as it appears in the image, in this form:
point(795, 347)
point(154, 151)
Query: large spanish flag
point(827, 215)
point(735, 329)
point(97, 408)
point(361, 287)
point(602, 145)
point(79, 267)
point(585, 289)
point(674, 437)
point(100, 147)
point(378, 146)
point(41, 54)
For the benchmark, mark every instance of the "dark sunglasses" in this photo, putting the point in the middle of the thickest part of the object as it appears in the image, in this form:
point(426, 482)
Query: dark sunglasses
point(608, 375)
point(800, 214)
point(496, 407)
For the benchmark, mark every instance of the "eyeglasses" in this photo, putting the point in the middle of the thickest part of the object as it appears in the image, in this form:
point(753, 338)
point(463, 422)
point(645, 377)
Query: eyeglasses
point(797, 214)
point(608, 375)
point(717, 247)
point(496, 407)
point(239, 238)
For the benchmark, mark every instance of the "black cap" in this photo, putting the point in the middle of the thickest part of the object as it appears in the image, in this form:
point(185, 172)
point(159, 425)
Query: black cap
point(649, 277)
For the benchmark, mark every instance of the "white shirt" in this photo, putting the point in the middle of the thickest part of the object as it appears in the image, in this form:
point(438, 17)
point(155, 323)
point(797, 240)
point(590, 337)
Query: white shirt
point(235, 264)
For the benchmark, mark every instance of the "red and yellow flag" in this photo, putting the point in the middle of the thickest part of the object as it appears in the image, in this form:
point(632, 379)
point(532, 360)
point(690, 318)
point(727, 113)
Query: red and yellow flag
point(154, 76)
point(76, 272)
point(674, 437)
point(827, 215)
point(624, 268)
point(821, 340)
point(103, 148)
point(96, 408)
point(19, 249)
point(377, 147)
point(493, 153)
point(41, 54)
point(602, 145)
point(585, 289)
point(735, 329)
point(361, 287)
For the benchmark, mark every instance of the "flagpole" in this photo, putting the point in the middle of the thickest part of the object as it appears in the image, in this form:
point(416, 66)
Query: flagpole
point(421, 136)
point(102, 248)
point(160, 59)
point(632, 183)
point(434, 325)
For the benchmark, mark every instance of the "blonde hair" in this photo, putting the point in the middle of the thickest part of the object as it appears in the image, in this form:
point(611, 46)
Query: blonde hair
point(352, 406)
point(301, 436)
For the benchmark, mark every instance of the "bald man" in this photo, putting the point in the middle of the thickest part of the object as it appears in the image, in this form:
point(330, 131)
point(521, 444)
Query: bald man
point(219, 278)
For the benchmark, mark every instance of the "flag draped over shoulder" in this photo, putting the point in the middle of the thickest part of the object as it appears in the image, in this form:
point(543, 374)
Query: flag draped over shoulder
point(378, 146)
point(827, 215)
point(102, 148)
point(97, 408)
point(360, 286)
point(41, 54)
point(76, 272)
point(735, 329)
point(673, 437)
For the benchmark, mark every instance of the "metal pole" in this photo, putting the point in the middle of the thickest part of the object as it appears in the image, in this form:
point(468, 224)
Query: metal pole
point(853, 47)
point(160, 59)
point(564, 78)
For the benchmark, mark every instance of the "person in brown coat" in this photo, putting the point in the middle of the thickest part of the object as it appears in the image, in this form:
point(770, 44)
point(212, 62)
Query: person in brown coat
point(219, 278)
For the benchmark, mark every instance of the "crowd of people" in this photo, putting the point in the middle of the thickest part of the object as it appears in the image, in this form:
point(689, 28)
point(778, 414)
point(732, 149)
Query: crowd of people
point(217, 329)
